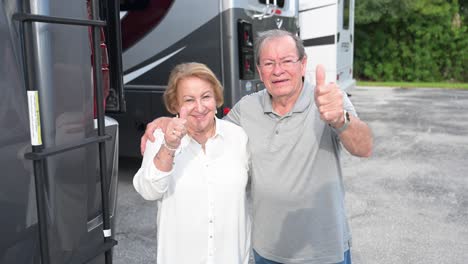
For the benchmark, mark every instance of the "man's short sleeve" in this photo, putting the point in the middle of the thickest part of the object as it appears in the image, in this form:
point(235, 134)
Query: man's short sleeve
point(234, 115)
point(347, 105)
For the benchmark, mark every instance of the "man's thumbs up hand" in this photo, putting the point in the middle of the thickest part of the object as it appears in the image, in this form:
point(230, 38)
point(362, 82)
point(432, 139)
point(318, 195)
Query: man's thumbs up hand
point(328, 99)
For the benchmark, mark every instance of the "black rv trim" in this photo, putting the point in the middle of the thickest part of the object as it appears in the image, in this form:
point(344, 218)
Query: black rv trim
point(113, 34)
point(57, 20)
point(326, 40)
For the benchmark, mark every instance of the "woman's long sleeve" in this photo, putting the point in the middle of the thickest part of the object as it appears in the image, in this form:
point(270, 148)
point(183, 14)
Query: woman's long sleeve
point(150, 182)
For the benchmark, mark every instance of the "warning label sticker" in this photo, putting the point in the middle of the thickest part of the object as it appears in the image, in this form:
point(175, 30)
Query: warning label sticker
point(34, 118)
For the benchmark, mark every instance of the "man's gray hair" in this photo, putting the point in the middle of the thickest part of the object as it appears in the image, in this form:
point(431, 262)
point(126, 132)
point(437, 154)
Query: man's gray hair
point(277, 33)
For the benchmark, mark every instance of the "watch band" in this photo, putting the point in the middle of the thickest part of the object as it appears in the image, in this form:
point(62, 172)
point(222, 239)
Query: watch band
point(347, 119)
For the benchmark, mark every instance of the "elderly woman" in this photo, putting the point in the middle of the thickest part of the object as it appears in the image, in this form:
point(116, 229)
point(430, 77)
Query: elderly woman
point(197, 170)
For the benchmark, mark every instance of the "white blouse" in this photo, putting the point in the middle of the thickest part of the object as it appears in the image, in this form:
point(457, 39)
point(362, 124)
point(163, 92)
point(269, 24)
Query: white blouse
point(202, 204)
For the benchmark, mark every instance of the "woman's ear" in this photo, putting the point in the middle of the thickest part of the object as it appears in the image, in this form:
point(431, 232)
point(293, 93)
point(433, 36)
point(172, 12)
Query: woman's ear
point(175, 108)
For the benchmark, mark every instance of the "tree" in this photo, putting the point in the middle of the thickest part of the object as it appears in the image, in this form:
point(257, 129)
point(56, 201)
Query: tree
point(410, 40)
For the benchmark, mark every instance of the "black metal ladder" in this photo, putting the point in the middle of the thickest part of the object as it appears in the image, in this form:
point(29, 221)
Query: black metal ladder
point(40, 153)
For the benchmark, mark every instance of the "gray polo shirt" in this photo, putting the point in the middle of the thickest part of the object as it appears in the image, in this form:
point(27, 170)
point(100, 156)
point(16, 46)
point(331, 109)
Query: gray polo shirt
point(297, 188)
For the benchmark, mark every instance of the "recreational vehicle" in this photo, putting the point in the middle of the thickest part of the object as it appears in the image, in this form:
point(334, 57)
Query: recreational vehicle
point(327, 27)
point(159, 34)
point(58, 152)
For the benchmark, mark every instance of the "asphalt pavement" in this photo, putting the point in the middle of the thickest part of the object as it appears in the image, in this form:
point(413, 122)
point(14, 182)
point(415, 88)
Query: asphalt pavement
point(407, 204)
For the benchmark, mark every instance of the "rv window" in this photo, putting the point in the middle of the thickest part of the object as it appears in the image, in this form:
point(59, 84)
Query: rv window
point(280, 3)
point(346, 15)
point(129, 5)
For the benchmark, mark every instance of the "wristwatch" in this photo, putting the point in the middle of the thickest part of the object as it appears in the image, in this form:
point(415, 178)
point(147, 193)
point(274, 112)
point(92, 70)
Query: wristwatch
point(347, 119)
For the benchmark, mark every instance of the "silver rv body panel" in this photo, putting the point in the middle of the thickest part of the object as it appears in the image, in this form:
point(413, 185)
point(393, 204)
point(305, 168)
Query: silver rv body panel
point(59, 68)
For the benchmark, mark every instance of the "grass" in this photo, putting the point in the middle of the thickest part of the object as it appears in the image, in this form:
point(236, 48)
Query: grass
point(446, 85)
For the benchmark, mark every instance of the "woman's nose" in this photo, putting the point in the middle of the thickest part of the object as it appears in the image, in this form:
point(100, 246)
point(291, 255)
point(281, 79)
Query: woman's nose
point(200, 106)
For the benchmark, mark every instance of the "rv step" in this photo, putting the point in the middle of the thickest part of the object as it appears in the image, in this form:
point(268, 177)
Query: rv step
point(44, 153)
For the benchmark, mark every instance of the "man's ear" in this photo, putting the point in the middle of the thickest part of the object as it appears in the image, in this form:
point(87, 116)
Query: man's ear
point(304, 65)
point(259, 72)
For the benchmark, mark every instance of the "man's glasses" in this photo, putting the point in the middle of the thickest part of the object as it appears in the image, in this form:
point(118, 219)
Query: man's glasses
point(284, 64)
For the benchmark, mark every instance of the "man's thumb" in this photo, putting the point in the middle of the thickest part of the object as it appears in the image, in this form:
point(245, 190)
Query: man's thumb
point(320, 75)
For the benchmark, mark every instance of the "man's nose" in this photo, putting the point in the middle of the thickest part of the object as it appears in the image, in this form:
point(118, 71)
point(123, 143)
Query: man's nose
point(277, 68)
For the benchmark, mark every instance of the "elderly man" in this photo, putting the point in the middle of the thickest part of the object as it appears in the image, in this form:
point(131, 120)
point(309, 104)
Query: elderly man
point(294, 131)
